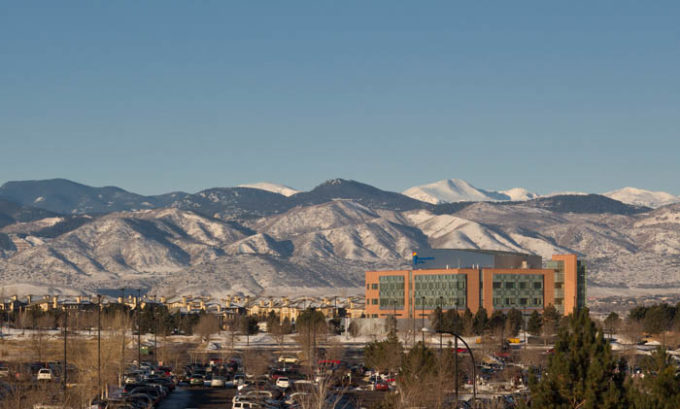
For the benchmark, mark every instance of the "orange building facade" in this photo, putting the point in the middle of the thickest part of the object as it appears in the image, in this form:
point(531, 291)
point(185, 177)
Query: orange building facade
point(496, 284)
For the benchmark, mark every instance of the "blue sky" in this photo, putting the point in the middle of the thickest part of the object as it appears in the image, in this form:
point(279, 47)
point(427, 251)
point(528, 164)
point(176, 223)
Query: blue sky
point(157, 96)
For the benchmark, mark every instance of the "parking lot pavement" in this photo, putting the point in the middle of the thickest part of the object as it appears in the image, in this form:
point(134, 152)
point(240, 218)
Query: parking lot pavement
point(201, 398)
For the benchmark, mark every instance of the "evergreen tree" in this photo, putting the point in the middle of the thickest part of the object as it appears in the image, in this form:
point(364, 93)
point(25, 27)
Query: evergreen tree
point(535, 323)
point(479, 323)
point(384, 355)
point(453, 322)
point(611, 323)
point(514, 322)
point(660, 390)
point(468, 321)
point(582, 373)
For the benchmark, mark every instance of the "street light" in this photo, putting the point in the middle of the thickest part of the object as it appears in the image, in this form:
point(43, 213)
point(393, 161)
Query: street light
point(422, 316)
point(139, 328)
point(123, 330)
point(441, 327)
point(99, 343)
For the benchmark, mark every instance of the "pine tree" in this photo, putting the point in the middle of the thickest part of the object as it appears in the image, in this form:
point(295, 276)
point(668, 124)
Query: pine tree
point(514, 322)
point(659, 391)
point(479, 323)
point(535, 323)
point(582, 373)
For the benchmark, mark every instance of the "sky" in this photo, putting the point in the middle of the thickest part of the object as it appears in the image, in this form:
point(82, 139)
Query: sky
point(159, 96)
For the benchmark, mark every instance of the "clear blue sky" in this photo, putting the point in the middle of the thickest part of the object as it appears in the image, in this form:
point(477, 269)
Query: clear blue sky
point(155, 96)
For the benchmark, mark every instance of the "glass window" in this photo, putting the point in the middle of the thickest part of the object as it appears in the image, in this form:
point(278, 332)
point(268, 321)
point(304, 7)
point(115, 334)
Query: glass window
point(509, 285)
point(522, 301)
point(374, 301)
point(374, 286)
point(496, 284)
point(522, 285)
point(538, 285)
point(558, 285)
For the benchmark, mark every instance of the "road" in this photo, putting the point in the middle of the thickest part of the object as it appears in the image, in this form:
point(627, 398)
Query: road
point(185, 397)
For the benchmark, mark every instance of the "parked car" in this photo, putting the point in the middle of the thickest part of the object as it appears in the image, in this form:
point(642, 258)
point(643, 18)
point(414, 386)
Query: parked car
point(217, 382)
point(196, 380)
point(44, 374)
point(283, 382)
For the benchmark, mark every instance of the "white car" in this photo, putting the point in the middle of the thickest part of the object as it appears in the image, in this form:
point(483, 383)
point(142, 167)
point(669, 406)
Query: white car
point(245, 405)
point(44, 374)
point(283, 382)
point(217, 382)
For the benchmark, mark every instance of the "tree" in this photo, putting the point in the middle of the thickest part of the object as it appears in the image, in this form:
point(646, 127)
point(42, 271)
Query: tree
point(535, 323)
point(206, 326)
point(513, 322)
point(582, 373)
point(353, 329)
point(479, 323)
point(658, 319)
point(550, 319)
point(385, 355)
point(418, 377)
point(279, 329)
point(437, 319)
point(310, 326)
point(468, 322)
point(661, 391)
point(612, 323)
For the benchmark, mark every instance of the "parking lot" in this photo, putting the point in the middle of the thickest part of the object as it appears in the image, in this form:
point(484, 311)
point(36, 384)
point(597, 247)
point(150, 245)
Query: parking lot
point(199, 397)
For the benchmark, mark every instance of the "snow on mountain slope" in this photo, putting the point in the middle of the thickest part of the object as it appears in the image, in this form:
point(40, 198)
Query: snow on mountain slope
point(641, 197)
point(519, 194)
point(375, 241)
point(457, 190)
point(446, 231)
point(450, 190)
point(272, 187)
point(325, 216)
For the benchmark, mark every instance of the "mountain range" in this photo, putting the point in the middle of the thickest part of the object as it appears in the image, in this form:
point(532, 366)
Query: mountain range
point(61, 236)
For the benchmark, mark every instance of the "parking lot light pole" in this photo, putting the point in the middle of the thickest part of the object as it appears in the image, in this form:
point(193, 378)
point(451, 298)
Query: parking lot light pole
point(99, 343)
point(65, 372)
point(139, 328)
point(441, 317)
point(123, 330)
point(422, 316)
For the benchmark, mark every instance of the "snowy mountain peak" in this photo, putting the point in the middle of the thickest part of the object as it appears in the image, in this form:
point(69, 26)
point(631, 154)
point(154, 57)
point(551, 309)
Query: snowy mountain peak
point(457, 190)
point(641, 197)
point(272, 187)
point(518, 194)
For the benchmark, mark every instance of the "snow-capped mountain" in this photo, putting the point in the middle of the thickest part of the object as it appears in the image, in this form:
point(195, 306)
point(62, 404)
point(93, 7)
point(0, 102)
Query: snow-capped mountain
point(230, 240)
point(519, 194)
point(457, 190)
point(641, 197)
point(272, 187)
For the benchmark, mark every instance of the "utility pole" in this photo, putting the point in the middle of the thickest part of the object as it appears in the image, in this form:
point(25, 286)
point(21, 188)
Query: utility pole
point(455, 366)
point(139, 328)
point(422, 316)
point(441, 317)
point(123, 318)
point(65, 355)
point(99, 344)
point(155, 331)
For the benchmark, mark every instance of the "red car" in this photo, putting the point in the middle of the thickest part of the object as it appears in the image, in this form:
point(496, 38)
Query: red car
point(381, 386)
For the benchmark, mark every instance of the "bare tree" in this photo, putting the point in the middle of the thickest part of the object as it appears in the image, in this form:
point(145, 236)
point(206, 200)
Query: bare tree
point(256, 362)
point(206, 326)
